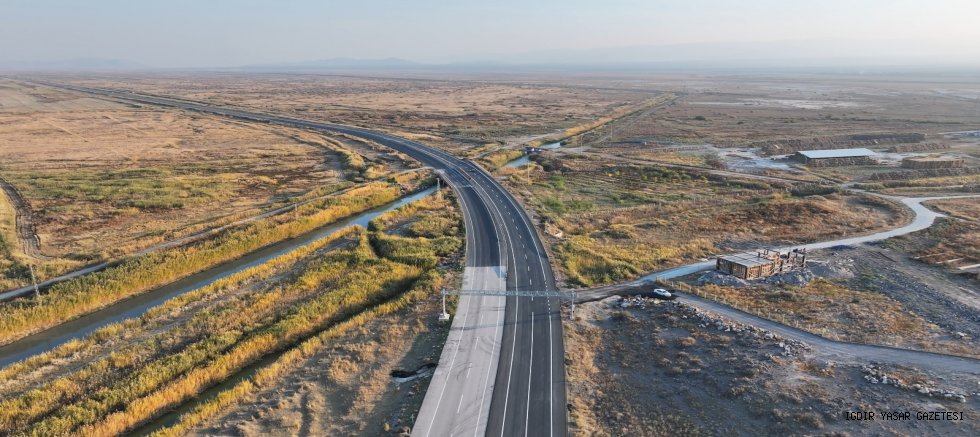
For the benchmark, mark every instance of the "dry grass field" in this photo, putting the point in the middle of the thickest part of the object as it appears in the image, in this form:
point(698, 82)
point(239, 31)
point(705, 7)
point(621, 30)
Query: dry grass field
point(837, 311)
point(952, 244)
point(739, 111)
point(740, 122)
point(608, 221)
point(451, 113)
point(321, 303)
point(103, 179)
point(967, 208)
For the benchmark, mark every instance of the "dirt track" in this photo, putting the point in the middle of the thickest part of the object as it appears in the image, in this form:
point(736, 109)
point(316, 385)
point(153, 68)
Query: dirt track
point(838, 349)
point(27, 237)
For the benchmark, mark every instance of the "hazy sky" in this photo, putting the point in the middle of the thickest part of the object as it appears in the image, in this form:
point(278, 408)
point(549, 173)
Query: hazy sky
point(211, 33)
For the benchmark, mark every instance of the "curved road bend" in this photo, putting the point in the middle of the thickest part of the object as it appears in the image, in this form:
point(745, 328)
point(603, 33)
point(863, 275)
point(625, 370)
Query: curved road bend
point(502, 370)
point(842, 350)
point(922, 218)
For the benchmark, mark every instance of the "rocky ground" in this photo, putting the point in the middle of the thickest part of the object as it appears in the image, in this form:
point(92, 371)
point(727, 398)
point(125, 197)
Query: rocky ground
point(645, 367)
point(950, 303)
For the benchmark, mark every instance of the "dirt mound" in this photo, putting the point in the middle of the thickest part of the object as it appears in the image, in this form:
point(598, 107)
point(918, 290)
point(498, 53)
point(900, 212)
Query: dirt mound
point(836, 268)
point(783, 147)
point(722, 279)
point(796, 277)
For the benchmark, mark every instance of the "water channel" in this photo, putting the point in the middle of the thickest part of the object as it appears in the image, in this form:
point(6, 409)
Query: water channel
point(137, 305)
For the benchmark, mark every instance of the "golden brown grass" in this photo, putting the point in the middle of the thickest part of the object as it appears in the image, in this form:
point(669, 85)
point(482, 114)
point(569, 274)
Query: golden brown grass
point(619, 113)
point(105, 179)
point(72, 298)
point(612, 222)
point(11, 257)
point(967, 208)
point(835, 311)
point(495, 160)
point(163, 359)
point(458, 113)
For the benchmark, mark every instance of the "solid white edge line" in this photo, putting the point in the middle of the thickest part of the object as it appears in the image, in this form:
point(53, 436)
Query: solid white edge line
point(530, 371)
point(449, 371)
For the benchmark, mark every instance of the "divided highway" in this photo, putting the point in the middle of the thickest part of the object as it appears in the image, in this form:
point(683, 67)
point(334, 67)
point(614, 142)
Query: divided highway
point(502, 371)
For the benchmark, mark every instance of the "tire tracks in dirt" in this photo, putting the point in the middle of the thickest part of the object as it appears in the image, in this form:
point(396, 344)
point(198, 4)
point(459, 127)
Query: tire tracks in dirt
point(27, 236)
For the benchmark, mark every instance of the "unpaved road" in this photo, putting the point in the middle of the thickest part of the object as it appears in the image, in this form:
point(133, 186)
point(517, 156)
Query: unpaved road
point(843, 351)
point(26, 230)
point(840, 350)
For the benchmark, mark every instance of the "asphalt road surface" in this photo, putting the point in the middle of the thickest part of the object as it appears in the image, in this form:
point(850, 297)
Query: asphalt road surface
point(502, 371)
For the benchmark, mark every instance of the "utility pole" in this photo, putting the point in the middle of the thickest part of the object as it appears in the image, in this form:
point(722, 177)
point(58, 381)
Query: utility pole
point(572, 315)
point(445, 315)
point(37, 293)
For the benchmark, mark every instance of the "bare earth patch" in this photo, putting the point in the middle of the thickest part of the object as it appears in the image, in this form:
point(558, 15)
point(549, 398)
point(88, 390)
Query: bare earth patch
point(663, 369)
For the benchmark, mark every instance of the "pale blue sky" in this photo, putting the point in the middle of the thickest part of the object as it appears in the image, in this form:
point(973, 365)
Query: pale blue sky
point(213, 33)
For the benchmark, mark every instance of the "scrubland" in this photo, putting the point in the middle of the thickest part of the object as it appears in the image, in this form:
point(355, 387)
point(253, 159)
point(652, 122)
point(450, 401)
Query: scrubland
point(952, 243)
point(453, 113)
point(293, 307)
point(608, 222)
point(664, 369)
point(744, 111)
point(837, 311)
point(103, 180)
point(84, 294)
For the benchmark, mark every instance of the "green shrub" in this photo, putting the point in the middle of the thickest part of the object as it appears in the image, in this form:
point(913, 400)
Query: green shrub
point(804, 190)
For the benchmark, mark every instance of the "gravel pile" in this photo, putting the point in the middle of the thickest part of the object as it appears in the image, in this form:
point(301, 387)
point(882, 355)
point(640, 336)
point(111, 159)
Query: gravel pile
point(876, 375)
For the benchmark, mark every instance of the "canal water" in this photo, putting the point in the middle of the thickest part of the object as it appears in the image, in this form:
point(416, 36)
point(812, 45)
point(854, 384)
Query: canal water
point(137, 305)
point(522, 161)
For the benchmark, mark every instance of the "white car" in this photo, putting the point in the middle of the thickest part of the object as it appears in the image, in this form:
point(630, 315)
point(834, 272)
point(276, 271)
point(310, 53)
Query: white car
point(660, 293)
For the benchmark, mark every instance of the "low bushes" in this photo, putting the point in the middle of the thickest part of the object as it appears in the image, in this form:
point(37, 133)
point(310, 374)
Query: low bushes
point(267, 377)
point(87, 293)
point(804, 190)
point(497, 159)
point(325, 295)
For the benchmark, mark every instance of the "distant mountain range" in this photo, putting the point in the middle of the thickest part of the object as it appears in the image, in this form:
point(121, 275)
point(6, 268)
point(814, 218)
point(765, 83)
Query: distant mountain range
point(338, 63)
point(827, 53)
point(816, 55)
point(811, 55)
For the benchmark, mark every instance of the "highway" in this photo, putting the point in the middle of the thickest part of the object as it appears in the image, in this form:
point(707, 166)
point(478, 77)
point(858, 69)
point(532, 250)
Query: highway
point(502, 371)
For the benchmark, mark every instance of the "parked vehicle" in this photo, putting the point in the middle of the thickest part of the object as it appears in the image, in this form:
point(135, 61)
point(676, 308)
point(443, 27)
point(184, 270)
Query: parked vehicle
point(660, 293)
